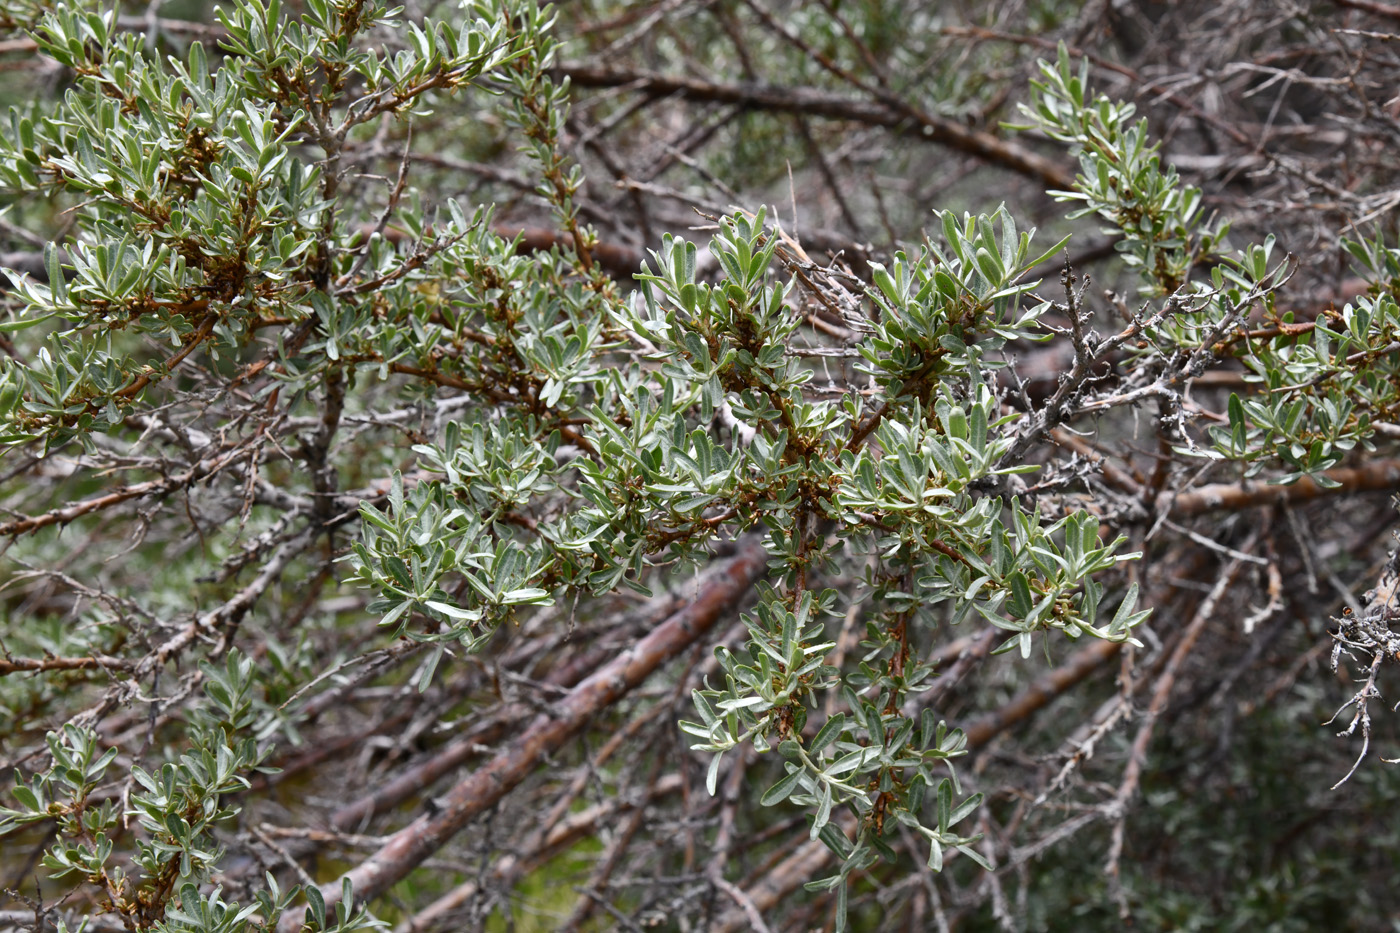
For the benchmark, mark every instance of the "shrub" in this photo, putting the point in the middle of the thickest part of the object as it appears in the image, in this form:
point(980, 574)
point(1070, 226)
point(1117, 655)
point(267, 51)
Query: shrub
point(308, 465)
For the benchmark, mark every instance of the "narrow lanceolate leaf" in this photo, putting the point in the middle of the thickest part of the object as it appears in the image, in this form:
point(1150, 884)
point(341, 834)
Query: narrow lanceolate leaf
point(783, 789)
point(712, 774)
point(827, 734)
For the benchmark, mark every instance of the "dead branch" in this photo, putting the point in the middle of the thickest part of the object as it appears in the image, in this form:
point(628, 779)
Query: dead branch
point(407, 848)
point(807, 102)
point(1371, 477)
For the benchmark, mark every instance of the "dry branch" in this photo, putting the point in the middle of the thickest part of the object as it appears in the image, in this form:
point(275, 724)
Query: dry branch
point(1372, 477)
point(535, 852)
point(1042, 690)
point(410, 846)
point(807, 102)
point(12, 665)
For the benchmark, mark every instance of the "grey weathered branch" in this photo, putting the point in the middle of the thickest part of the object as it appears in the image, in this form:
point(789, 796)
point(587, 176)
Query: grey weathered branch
point(413, 844)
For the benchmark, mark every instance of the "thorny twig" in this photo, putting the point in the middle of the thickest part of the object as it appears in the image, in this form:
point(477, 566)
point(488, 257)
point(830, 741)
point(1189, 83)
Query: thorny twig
point(1368, 633)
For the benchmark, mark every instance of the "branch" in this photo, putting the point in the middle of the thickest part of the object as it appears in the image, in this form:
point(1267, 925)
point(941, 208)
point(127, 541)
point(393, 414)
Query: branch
point(804, 864)
point(1117, 808)
point(808, 861)
point(1370, 6)
point(1369, 632)
point(233, 610)
point(63, 516)
point(410, 781)
point(206, 327)
point(93, 662)
point(412, 845)
point(621, 262)
point(1041, 691)
point(798, 100)
point(1373, 477)
point(537, 851)
point(415, 779)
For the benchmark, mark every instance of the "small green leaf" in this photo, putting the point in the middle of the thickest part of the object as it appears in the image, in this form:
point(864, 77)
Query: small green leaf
point(782, 790)
point(712, 776)
point(827, 734)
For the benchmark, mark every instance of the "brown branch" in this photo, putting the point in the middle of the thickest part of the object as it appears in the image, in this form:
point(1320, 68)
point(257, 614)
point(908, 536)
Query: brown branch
point(696, 527)
point(78, 509)
point(806, 862)
point(413, 844)
point(864, 429)
point(961, 655)
point(153, 487)
point(415, 779)
point(1373, 477)
point(288, 350)
point(535, 853)
point(1111, 474)
point(18, 665)
point(235, 608)
point(206, 327)
point(1370, 6)
point(1041, 691)
point(559, 827)
point(621, 262)
point(453, 382)
point(947, 550)
point(324, 750)
point(587, 901)
point(807, 102)
point(410, 781)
